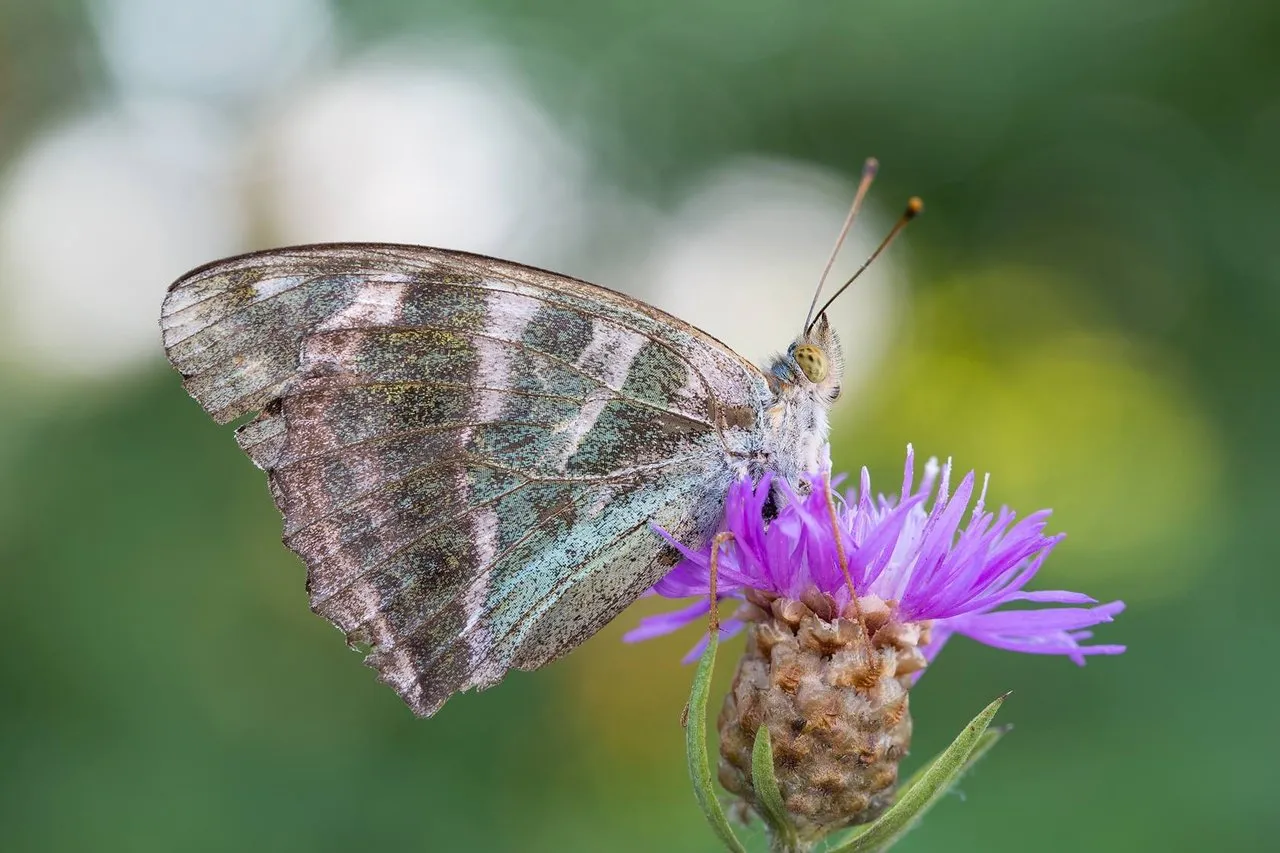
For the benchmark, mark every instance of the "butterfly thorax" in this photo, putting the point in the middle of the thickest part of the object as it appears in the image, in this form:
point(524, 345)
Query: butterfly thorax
point(805, 381)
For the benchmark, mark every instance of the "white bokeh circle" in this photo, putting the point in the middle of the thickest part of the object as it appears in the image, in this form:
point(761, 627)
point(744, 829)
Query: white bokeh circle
point(97, 216)
point(449, 153)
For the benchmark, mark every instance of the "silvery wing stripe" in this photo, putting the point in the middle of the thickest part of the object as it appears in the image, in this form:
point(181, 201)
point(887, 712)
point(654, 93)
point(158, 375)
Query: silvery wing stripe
point(506, 318)
point(375, 304)
point(611, 351)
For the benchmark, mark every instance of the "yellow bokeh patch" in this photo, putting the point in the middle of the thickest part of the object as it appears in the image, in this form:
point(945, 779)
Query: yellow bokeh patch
point(1004, 373)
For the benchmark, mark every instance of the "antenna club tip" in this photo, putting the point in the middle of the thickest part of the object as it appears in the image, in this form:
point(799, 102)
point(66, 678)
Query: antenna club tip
point(870, 167)
point(915, 207)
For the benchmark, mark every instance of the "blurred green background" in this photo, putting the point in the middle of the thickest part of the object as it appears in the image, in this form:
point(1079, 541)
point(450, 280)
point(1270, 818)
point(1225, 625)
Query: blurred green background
point(1088, 311)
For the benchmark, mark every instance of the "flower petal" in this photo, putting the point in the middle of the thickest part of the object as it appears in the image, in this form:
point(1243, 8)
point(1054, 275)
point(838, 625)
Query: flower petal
point(943, 563)
point(665, 623)
point(728, 628)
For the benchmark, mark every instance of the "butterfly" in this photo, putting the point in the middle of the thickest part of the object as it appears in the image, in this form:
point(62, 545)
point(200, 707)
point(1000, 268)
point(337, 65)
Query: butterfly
point(470, 454)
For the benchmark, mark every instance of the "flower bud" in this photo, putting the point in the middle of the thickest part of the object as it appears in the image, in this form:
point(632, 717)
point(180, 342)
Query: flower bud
point(831, 687)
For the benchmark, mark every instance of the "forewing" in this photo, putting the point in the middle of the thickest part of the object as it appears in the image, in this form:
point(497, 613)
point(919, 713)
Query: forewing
point(467, 453)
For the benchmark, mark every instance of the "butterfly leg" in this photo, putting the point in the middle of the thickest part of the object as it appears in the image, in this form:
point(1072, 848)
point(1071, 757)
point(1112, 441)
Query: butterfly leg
point(843, 559)
point(713, 615)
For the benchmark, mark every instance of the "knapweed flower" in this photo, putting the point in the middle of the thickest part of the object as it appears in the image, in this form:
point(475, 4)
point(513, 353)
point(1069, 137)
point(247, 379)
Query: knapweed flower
point(828, 671)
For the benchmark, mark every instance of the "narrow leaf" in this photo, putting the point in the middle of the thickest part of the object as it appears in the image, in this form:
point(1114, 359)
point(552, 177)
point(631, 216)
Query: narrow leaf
point(695, 744)
point(988, 740)
point(928, 786)
point(766, 787)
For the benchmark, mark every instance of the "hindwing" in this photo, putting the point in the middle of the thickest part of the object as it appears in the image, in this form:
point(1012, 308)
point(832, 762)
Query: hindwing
point(468, 453)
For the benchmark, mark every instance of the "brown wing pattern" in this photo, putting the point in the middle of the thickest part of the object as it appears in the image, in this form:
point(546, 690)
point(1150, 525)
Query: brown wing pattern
point(467, 452)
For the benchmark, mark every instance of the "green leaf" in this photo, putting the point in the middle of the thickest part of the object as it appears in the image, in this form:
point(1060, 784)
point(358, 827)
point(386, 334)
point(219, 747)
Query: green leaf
point(988, 740)
point(766, 787)
point(695, 744)
point(927, 786)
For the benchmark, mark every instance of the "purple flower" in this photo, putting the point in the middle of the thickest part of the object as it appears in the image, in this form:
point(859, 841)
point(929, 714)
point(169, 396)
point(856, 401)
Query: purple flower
point(921, 561)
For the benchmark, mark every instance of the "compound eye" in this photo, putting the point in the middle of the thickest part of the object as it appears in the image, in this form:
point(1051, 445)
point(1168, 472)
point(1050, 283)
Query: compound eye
point(813, 361)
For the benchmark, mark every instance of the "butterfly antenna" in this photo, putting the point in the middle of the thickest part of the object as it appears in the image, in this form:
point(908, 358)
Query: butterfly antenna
point(914, 208)
point(869, 170)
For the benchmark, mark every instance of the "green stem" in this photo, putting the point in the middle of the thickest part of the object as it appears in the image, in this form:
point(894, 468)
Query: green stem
point(696, 749)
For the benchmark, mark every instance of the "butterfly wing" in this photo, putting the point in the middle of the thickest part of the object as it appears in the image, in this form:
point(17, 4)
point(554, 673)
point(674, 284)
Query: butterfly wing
point(467, 452)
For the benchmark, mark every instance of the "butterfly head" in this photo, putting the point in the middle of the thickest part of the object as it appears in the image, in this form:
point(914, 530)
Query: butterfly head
point(812, 366)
